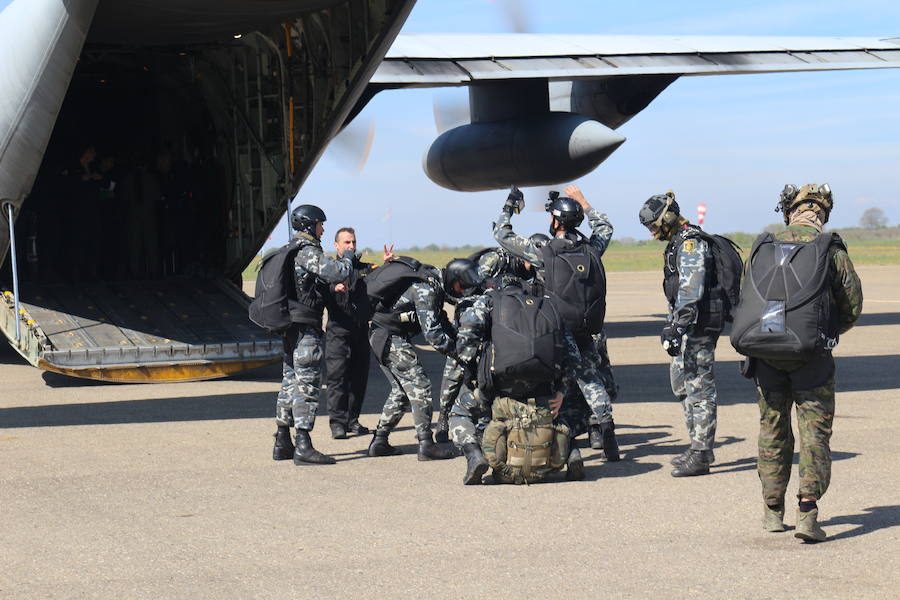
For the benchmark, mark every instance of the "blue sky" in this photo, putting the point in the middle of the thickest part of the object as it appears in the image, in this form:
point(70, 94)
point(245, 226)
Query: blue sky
point(731, 142)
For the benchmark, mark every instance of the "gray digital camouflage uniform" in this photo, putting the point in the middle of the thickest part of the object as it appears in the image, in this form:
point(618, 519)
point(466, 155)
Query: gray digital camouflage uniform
point(590, 368)
point(472, 409)
point(298, 398)
point(691, 372)
point(410, 386)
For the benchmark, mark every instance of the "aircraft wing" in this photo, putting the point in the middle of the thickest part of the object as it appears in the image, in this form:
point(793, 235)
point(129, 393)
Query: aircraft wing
point(424, 60)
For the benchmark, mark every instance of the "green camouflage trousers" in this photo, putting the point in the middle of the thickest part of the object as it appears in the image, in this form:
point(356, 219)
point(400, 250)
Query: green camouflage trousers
point(298, 399)
point(471, 412)
point(694, 384)
point(410, 388)
point(815, 415)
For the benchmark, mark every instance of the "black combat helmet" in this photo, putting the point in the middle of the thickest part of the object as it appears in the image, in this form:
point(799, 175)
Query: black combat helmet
point(539, 239)
point(465, 272)
point(305, 217)
point(659, 214)
point(567, 211)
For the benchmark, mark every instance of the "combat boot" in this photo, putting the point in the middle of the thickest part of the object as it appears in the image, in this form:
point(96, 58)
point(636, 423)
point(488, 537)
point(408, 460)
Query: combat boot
point(284, 447)
point(679, 460)
point(442, 435)
point(610, 445)
point(595, 437)
point(476, 464)
point(808, 528)
point(694, 465)
point(379, 445)
point(305, 454)
point(428, 450)
point(574, 463)
point(773, 519)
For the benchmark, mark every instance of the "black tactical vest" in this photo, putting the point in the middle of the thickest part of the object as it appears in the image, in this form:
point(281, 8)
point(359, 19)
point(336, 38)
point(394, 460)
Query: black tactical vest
point(310, 304)
point(711, 317)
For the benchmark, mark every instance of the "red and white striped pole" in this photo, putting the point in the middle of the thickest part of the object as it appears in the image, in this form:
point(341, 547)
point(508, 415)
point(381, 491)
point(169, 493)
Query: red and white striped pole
point(701, 213)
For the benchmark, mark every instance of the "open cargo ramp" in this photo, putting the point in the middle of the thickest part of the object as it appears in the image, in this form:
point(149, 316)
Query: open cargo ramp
point(138, 331)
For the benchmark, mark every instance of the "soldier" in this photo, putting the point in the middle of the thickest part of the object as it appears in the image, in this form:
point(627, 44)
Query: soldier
point(495, 266)
point(474, 404)
point(792, 342)
point(298, 399)
point(692, 329)
point(566, 214)
point(347, 343)
point(418, 309)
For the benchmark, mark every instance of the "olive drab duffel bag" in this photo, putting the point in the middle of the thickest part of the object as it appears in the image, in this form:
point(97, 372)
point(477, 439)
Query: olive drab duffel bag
point(522, 444)
point(787, 310)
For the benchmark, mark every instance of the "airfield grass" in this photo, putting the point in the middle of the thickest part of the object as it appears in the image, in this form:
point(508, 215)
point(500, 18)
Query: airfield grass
point(867, 247)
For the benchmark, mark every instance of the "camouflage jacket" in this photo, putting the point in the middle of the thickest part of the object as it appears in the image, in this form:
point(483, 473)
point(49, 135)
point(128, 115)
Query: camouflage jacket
point(312, 266)
point(846, 288)
point(424, 301)
point(684, 275)
point(524, 248)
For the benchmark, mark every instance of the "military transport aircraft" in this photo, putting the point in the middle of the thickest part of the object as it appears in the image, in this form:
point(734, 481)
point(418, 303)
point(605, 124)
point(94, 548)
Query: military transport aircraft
point(180, 130)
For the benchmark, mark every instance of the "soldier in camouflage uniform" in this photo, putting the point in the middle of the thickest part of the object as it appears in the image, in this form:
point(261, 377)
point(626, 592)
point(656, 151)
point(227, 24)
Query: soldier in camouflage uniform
point(693, 327)
point(298, 399)
point(495, 267)
point(808, 384)
point(419, 309)
point(472, 407)
point(588, 372)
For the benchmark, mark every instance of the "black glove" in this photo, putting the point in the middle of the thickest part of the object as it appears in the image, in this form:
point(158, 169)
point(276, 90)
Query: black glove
point(671, 338)
point(515, 202)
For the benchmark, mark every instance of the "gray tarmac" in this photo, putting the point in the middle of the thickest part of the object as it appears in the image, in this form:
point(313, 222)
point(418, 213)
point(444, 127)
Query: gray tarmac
point(169, 491)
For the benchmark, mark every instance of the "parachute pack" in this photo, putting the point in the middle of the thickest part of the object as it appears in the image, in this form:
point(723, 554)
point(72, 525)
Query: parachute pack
point(574, 278)
point(786, 309)
point(526, 346)
point(521, 443)
point(729, 267)
point(276, 290)
point(387, 283)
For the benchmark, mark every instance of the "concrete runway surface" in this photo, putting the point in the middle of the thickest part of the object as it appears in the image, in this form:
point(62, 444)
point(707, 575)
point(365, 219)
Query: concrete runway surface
point(169, 491)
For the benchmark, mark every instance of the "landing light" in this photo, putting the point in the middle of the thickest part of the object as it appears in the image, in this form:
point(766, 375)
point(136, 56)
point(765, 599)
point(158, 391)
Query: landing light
point(238, 36)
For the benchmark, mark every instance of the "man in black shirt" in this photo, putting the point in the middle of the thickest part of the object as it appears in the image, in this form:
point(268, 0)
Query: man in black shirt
point(346, 343)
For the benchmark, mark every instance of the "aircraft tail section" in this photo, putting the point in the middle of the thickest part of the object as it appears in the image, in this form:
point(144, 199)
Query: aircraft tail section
point(139, 331)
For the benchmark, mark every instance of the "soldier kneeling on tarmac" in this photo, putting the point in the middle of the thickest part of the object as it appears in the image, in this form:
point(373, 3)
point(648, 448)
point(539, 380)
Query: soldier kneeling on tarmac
point(515, 347)
point(800, 293)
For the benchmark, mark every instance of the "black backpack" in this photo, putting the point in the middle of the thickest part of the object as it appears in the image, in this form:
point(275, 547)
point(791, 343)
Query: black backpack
point(574, 278)
point(276, 289)
point(526, 346)
point(786, 309)
point(387, 283)
point(729, 268)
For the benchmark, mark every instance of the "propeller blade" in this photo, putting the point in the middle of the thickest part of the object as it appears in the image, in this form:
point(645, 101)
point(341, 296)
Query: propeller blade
point(353, 145)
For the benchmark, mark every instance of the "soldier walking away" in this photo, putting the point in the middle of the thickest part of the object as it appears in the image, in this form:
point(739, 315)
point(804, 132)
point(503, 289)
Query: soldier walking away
point(298, 399)
point(570, 269)
point(800, 293)
point(347, 343)
point(408, 299)
point(697, 314)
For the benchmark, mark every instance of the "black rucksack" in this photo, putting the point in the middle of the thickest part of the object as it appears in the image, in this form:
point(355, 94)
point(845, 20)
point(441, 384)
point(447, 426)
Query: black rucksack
point(526, 346)
point(786, 309)
point(387, 283)
point(276, 289)
point(729, 267)
point(574, 278)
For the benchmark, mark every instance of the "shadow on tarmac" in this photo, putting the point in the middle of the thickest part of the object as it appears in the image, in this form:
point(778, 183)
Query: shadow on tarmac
point(872, 519)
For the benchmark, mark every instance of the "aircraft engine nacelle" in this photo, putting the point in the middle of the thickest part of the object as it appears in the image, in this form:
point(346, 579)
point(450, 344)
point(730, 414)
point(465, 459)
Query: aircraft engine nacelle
point(542, 149)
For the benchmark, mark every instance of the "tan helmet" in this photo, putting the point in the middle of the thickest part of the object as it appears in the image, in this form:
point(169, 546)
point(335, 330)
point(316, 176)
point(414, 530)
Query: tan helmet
point(811, 196)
